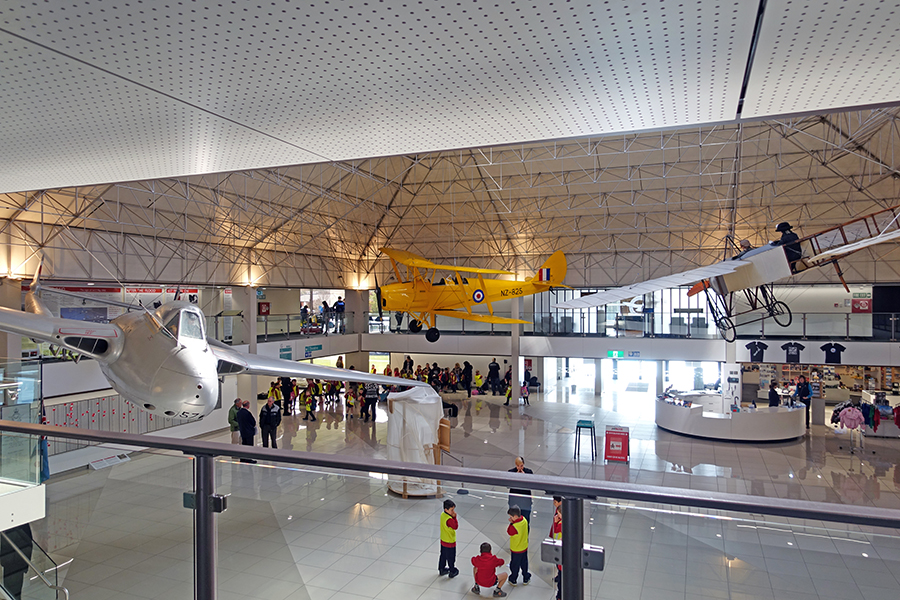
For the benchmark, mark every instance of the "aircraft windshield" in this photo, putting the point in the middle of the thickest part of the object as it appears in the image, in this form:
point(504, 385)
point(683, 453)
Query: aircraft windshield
point(191, 326)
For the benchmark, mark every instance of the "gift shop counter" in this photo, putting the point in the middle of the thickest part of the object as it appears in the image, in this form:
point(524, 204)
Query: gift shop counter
point(763, 424)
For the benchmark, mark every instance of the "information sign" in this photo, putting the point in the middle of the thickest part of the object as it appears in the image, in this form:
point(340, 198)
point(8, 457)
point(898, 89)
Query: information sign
point(615, 444)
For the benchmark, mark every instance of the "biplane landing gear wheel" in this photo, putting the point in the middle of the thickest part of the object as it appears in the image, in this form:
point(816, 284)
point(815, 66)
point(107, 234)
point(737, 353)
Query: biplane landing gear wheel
point(415, 326)
point(781, 313)
point(432, 335)
point(726, 328)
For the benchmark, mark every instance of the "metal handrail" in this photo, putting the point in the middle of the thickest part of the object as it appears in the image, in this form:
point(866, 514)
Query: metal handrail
point(33, 566)
point(566, 486)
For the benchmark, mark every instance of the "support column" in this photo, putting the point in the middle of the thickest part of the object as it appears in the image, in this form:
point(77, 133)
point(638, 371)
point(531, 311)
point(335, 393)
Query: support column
point(356, 305)
point(598, 376)
point(660, 378)
point(206, 539)
point(245, 300)
point(11, 297)
point(572, 545)
point(516, 380)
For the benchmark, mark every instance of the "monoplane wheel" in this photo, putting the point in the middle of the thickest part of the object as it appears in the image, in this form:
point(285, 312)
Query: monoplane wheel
point(726, 328)
point(415, 326)
point(781, 313)
point(432, 335)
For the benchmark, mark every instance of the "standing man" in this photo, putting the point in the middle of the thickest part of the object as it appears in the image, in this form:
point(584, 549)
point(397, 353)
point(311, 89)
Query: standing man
point(247, 427)
point(339, 315)
point(466, 378)
point(269, 420)
point(287, 401)
point(804, 394)
point(232, 421)
point(408, 365)
point(494, 376)
point(521, 497)
point(371, 401)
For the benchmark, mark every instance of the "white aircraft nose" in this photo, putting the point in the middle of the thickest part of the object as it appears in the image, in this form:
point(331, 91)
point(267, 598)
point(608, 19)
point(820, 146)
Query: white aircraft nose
point(185, 386)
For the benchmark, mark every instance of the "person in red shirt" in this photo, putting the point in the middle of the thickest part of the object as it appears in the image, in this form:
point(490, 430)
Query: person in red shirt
point(556, 534)
point(484, 566)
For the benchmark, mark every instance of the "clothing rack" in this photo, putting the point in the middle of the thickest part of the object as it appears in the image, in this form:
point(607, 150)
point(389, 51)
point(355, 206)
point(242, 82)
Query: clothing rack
point(862, 441)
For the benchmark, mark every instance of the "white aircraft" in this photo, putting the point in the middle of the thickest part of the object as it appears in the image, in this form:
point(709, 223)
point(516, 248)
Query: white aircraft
point(161, 360)
point(754, 272)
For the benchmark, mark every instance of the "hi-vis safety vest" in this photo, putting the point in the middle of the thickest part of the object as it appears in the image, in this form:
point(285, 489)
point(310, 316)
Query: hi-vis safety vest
point(448, 534)
point(519, 541)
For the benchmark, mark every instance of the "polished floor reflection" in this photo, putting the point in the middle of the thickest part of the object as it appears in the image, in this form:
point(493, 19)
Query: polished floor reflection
point(291, 533)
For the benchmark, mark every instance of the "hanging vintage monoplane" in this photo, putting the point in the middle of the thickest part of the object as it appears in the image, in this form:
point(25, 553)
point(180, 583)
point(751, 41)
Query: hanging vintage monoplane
point(743, 285)
point(161, 360)
point(424, 298)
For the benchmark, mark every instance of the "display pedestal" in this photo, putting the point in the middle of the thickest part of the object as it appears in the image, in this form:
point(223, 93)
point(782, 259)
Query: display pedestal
point(817, 411)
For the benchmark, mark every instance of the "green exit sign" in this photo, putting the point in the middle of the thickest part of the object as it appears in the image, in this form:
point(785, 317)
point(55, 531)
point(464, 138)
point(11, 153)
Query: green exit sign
point(615, 353)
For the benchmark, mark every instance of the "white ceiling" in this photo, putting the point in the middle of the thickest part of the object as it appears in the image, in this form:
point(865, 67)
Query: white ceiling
point(105, 91)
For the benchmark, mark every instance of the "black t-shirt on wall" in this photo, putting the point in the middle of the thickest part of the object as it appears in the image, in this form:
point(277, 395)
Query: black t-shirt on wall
point(792, 352)
point(833, 353)
point(756, 351)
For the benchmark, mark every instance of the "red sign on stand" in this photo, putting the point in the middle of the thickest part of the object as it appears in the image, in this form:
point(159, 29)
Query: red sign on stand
point(615, 444)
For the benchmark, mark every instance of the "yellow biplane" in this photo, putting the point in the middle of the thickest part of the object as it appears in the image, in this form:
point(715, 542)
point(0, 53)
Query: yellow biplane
point(423, 298)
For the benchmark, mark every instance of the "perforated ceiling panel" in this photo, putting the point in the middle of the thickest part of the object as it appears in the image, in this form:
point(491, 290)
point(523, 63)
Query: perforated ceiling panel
point(816, 56)
point(160, 82)
point(66, 122)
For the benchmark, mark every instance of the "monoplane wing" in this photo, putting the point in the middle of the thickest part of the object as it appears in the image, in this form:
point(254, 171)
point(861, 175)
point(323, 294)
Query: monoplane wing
point(412, 260)
point(458, 314)
point(652, 285)
point(233, 361)
point(92, 339)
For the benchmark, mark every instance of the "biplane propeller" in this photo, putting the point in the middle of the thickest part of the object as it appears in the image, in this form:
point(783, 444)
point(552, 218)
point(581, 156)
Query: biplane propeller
point(424, 298)
point(750, 275)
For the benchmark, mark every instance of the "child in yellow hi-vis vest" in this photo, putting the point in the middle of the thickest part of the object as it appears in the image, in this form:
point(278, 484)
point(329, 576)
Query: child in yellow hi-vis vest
point(449, 525)
point(308, 403)
point(518, 546)
point(351, 400)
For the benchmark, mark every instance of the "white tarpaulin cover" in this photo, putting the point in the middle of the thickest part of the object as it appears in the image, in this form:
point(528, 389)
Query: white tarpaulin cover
point(412, 432)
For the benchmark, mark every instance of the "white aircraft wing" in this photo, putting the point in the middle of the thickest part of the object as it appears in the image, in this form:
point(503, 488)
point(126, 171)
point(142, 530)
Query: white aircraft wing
point(234, 361)
point(652, 285)
point(840, 251)
point(92, 339)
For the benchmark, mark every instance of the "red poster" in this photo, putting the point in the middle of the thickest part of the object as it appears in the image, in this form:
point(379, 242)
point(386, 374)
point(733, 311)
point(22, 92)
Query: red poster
point(861, 305)
point(615, 444)
point(263, 308)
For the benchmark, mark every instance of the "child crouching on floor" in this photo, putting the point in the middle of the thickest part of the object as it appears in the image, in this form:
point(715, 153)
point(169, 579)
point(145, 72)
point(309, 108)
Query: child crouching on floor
point(485, 567)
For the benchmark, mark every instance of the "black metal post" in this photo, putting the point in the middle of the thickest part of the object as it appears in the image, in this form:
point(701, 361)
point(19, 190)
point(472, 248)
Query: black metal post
point(572, 545)
point(206, 539)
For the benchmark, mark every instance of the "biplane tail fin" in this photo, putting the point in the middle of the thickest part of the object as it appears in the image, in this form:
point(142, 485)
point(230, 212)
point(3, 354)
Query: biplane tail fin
point(553, 271)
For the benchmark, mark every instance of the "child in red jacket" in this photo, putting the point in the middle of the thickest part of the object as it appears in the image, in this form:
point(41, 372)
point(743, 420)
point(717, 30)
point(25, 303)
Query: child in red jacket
point(485, 570)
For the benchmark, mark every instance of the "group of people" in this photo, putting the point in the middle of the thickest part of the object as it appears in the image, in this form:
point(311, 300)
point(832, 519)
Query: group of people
point(460, 378)
point(485, 565)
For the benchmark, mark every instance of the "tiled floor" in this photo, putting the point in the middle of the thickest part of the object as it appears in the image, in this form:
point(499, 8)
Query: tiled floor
point(296, 534)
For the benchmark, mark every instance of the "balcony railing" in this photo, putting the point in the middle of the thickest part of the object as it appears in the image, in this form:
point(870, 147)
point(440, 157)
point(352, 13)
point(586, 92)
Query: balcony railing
point(701, 534)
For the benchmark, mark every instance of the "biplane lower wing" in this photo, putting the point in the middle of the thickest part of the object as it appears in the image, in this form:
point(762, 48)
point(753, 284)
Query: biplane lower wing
point(458, 314)
point(653, 285)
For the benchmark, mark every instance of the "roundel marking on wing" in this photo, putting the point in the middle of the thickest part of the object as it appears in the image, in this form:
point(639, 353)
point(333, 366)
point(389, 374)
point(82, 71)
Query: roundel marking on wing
point(478, 296)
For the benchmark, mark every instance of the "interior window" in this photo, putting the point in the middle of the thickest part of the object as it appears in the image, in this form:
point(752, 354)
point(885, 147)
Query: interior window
point(190, 325)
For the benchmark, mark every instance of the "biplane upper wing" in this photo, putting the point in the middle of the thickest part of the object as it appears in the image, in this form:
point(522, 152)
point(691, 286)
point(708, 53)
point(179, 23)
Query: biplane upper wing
point(839, 251)
point(458, 314)
point(652, 285)
point(411, 260)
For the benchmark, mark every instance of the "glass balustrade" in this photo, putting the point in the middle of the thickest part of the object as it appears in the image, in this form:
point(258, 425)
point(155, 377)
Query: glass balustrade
point(296, 531)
